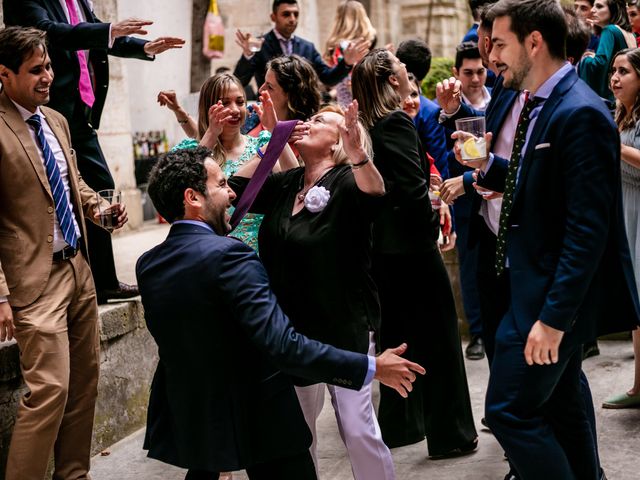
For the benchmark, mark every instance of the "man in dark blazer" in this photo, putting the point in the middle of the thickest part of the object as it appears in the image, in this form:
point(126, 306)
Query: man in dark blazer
point(282, 41)
point(79, 45)
point(561, 245)
point(218, 400)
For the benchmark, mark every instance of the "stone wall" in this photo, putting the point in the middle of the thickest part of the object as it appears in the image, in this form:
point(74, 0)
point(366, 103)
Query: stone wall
point(127, 361)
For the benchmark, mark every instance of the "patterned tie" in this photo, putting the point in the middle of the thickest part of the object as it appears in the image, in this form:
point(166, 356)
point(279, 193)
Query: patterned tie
point(510, 185)
point(63, 209)
point(84, 85)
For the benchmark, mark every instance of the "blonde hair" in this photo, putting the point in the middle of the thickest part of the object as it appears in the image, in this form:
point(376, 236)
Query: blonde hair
point(340, 156)
point(371, 87)
point(351, 22)
point(212, 90)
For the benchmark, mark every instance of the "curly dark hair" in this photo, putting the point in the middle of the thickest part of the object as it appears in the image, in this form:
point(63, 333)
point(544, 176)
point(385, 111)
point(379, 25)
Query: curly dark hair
point(299, 81)
point(172, 175)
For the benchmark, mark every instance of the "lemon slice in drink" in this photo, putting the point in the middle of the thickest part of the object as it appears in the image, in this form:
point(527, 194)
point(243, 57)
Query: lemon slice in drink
point(470, 148)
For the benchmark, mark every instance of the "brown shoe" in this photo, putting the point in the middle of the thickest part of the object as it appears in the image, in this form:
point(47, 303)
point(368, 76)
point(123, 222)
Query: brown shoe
point(123, 292)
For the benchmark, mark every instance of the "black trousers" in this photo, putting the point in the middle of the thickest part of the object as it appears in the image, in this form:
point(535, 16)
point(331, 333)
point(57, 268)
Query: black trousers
point(298, 467)
point(494, 292)
point(95, 172)
point(418, 308)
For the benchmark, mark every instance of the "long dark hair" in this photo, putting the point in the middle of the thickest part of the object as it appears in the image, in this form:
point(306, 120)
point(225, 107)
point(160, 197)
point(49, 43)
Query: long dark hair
point(299, 81)
point(619, 16)
point(625, 119)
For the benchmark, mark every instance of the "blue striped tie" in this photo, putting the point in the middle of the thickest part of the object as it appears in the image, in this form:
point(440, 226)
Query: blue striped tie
point(63, 209)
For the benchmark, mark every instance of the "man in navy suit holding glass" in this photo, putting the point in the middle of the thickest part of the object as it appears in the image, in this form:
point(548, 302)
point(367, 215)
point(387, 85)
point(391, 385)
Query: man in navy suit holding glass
point(561, 246)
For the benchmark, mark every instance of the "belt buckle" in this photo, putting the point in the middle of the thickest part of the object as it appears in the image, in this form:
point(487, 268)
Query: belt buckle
point(68, 252)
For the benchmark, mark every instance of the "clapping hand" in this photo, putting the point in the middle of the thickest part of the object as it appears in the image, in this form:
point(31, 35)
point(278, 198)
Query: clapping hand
point(448, 95)
point(396, 372)
point(266, 111)
point(355, 51)
point(162, 44)
point(350, 133)
point(219, 116)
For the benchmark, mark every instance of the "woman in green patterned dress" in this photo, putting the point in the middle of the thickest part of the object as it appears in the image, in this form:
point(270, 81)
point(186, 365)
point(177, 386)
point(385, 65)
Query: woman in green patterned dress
point(221, 113)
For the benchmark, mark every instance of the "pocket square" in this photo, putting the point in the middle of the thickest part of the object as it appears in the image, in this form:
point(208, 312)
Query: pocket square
point(540, 146)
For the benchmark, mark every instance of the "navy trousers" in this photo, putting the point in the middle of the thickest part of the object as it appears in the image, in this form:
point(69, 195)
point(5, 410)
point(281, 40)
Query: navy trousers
point(539, 414)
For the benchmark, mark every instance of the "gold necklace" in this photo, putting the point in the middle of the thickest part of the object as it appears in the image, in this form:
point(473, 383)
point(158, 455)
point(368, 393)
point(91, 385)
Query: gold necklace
point(302, 195)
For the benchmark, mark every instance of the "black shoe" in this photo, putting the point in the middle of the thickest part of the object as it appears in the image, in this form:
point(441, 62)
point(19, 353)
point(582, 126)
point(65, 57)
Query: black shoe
point(475, 349)
point(484, 423)
point(123, 292)
point(590, 349)
point(465, 449)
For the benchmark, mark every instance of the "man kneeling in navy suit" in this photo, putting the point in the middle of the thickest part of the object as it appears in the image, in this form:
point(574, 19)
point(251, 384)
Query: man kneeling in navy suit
point(218, 400)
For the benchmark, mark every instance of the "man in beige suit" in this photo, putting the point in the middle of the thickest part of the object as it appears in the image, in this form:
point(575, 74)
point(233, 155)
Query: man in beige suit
point(47, 296)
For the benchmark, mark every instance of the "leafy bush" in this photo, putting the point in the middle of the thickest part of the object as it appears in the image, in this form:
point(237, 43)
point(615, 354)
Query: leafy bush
point(440, 69)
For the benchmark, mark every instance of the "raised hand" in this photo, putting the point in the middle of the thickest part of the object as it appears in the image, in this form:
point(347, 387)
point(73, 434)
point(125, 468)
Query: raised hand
point(266, 111)
point(396, 372)
point(351, 134)
point(448, 94)
point(242, 40)
point(167, 98)
point(129, 26)
point(355, 51)
point(162, 44)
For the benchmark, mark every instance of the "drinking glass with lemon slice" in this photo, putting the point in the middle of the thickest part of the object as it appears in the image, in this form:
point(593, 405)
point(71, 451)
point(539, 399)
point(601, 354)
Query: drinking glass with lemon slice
point(473, 146)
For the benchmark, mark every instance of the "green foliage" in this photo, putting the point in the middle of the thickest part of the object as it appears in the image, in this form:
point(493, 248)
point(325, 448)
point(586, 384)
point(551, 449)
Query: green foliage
point(440, 69)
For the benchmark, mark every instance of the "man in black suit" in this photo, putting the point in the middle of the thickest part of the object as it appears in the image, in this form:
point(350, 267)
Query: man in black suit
point(281, 41)
point(218, 400)
point(78, 46)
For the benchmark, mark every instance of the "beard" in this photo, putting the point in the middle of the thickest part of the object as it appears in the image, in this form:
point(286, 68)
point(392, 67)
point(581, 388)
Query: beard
point(519, 73)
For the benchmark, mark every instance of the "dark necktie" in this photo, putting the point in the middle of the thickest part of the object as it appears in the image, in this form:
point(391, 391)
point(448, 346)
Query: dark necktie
point(510, 185)
point(63, 209)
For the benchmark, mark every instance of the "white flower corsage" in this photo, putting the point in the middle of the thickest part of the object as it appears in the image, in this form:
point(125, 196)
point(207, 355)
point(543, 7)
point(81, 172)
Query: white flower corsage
point(316, 199)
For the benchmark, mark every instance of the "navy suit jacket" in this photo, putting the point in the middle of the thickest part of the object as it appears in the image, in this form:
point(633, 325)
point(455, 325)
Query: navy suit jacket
point(432, 134)
point(64, 41)
point(257, 65)
point(566, 242)
point(218, 400)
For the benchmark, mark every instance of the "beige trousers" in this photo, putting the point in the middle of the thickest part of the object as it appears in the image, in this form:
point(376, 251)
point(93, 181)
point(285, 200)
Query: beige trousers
point(59, 356)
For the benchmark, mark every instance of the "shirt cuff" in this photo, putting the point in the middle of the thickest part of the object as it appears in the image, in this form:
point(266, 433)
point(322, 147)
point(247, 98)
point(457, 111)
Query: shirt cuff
point(483, 171)
point(6, 299)
point(110, 44)
point(371, 370)
point(444, 116)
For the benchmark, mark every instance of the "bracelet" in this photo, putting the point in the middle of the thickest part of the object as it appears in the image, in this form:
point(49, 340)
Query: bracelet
point(182, 122)
point(260, 153)
point(356, 166)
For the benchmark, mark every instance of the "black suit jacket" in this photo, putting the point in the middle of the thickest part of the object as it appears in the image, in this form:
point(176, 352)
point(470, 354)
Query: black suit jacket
point(218, 400)
point(566, 242)
point(64, 41)
point(257, 65)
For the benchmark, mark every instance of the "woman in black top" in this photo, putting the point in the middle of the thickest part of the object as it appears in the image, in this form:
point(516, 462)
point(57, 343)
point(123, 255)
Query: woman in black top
point(315, 242)
point(415, 293)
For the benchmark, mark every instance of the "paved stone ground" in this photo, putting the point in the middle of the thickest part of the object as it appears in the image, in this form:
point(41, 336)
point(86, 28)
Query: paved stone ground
point(619, 431)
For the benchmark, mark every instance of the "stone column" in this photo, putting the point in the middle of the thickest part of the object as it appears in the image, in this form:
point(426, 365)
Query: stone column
point(115, 125)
